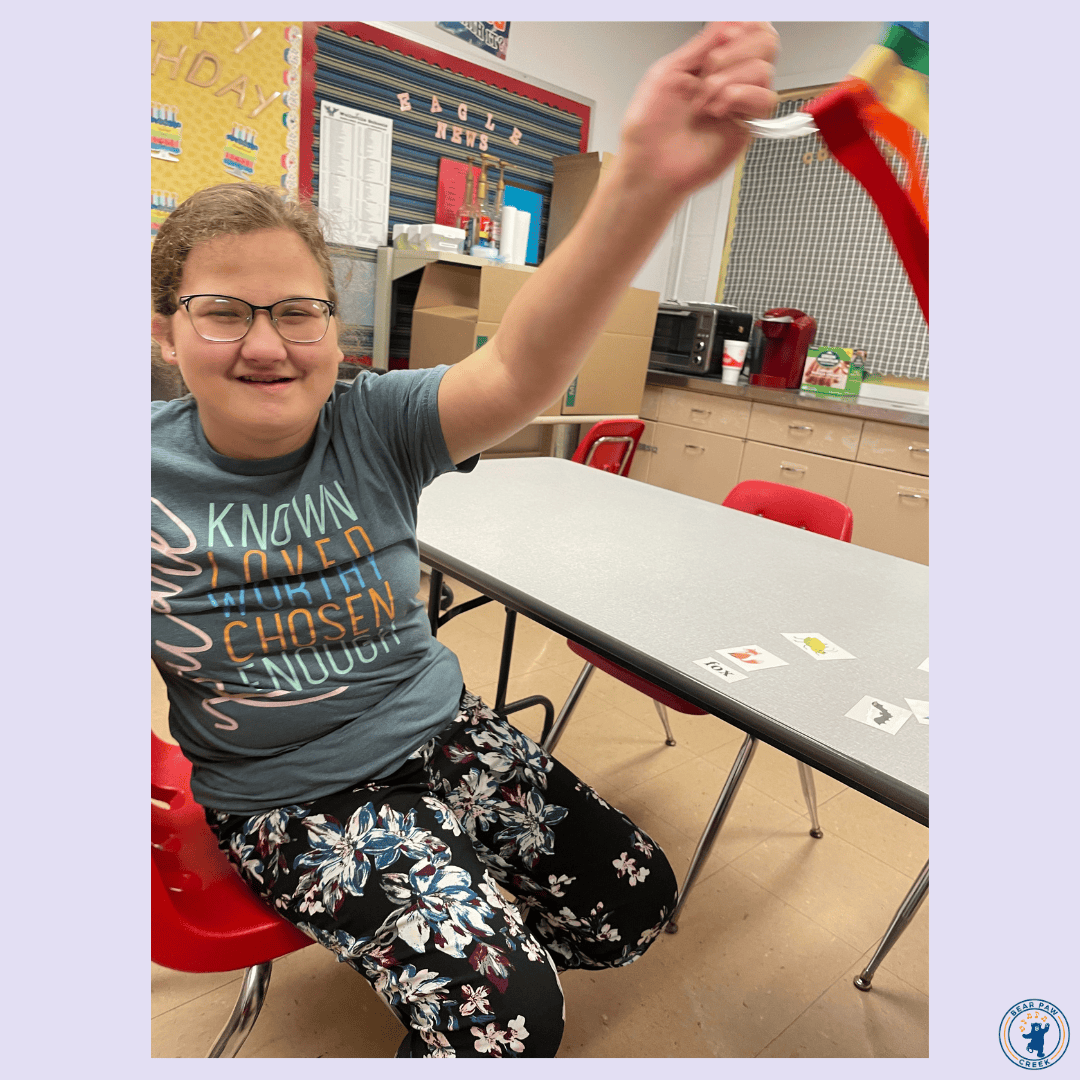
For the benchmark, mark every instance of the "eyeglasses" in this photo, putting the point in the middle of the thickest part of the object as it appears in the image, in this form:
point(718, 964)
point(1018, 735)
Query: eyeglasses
point(300, 319)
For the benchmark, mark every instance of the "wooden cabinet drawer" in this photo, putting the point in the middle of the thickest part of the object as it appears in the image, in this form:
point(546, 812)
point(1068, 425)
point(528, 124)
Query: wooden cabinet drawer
point(811, 472)
point(836, 436)
point(644, 454)
point(698, 463)
point(891, 511)
point(650, 402)
point(894, 447)
point(705, 412)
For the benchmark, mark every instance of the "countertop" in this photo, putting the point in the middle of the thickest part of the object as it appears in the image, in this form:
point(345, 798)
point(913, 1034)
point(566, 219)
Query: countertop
point(859, 410)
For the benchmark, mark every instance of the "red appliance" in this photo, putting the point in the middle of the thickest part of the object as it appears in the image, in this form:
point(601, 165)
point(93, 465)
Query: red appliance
point(787, 335)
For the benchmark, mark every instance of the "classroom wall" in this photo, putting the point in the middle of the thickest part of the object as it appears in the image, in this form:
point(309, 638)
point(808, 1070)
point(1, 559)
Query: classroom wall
point(604, 61)
point(600, 61)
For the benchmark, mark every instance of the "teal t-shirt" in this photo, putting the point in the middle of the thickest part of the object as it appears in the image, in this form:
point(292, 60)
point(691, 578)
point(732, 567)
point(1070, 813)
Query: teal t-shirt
point(283, 597)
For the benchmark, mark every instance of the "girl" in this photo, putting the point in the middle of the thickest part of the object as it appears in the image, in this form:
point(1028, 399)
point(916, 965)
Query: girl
point(353, 781)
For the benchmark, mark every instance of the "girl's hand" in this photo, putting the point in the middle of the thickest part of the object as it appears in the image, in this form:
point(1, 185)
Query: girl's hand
point(681, 129)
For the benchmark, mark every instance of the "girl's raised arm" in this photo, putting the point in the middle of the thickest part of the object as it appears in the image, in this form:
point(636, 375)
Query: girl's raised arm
point(680, 132)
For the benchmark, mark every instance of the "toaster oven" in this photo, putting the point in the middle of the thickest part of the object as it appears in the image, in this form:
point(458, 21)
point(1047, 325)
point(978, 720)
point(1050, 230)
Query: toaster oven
point(689, 336)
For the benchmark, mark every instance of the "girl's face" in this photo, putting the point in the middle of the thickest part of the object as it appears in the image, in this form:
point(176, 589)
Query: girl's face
point(259, 397)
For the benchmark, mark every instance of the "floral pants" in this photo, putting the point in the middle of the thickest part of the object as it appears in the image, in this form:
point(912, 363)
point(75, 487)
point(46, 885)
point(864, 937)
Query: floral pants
point(405, 879)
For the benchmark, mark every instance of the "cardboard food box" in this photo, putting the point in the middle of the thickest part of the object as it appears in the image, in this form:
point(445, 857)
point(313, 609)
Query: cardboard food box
point(576, 177)
point(831, 372)
point(458, 309)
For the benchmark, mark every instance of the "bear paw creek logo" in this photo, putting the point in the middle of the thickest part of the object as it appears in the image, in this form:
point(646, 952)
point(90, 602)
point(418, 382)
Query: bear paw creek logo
point(1034, 1034)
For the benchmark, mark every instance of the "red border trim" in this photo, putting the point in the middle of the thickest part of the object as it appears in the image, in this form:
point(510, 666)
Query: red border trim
point(430, 55)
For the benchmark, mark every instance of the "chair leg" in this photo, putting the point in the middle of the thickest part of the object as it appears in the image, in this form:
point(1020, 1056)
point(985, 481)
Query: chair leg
point(904, 914)
point(568, 707)
point(806, 775)
point(662, 710)
point(712, 827)
point(245, 1011)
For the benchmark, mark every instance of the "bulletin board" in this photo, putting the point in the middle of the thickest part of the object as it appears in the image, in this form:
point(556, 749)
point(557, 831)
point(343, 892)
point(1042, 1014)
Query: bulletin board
point(224, 106)
point(440, 106)
point(803, 233)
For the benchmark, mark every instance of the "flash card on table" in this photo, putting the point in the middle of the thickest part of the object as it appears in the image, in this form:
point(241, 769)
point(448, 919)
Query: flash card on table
point(819, 646)
point(921, 709)
point(879, 714)
point(751, 657)
point(722, 671)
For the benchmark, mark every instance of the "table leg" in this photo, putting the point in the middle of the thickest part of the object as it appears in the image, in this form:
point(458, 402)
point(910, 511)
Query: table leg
point(806, 775)
point(564, 440)
point(903, 916)
point(712, 827)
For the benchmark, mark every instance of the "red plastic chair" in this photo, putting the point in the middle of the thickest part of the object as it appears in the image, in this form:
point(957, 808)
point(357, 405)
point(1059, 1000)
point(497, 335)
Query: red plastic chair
point(610, 445)
point(203, 917)
point(778, 502)
point(792, 506)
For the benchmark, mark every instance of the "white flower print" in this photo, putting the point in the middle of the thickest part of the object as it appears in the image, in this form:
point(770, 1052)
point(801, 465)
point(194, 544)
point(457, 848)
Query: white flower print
point(243, 855)
point(494, 1040)
point(438, 902)
point(509, 908)
point(487, 1039)
point(643, 844)
point(422, 991)
point(555, 884)
point(336, 860)
point(628, 868)
point(518, 756)
point(517, 1032)
point(473, 801)
point(528, 827)
point(475, 1000)
point(533, 949)
point(443, 814)
point(439, 1043)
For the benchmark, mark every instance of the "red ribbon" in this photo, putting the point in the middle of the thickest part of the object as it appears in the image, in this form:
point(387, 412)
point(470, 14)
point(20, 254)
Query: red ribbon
point(845, 116)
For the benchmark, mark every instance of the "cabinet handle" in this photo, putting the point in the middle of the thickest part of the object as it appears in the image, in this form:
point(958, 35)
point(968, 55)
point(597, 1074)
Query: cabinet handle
point(692, 446)
point(646, 448)
point(911, 495)
point(786, 466)
point(706, 412)
point(800, 427)
point(919, 449)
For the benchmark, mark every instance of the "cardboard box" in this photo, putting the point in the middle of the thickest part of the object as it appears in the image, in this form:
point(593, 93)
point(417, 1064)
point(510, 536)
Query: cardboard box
point(831, 372)
point(576, 177)
point(458, 308)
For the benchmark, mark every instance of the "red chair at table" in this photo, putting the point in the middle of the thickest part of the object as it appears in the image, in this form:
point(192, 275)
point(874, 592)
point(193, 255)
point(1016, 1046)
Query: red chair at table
point(202, 916)
point(778, 502)
point(610, 445)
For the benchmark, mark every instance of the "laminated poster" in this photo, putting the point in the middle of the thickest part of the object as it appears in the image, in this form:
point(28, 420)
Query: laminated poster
point(354, 175)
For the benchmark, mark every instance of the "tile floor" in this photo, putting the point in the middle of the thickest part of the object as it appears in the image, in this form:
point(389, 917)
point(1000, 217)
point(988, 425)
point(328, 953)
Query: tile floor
point(775, 929)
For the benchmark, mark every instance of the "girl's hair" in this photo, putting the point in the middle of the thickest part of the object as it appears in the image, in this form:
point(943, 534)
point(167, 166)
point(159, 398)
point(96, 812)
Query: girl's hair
point(228, 210)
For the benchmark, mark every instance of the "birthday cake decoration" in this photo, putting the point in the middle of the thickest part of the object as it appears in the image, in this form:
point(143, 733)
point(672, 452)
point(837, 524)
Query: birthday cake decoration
point(162, 204)
point(165, 132)
point(240, 152)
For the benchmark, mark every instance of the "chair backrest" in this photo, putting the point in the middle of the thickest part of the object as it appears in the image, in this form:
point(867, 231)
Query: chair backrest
point(610, 445)
point(202, 915)
point(792, 506)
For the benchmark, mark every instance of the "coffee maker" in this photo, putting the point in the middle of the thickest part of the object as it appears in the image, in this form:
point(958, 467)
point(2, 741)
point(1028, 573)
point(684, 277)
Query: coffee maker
point(787, 334)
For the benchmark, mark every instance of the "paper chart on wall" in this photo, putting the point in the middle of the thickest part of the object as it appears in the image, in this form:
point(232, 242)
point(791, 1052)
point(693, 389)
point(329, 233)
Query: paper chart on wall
point(354, 175)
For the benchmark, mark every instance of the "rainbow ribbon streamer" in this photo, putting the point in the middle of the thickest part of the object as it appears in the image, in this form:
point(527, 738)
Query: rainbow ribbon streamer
point(886, 94)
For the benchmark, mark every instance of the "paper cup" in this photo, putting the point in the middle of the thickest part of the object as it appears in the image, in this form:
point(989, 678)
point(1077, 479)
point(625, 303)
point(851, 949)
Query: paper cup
point(734, 358)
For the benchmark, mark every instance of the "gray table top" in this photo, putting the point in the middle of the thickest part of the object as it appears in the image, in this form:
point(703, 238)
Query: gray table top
point(657, 580)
